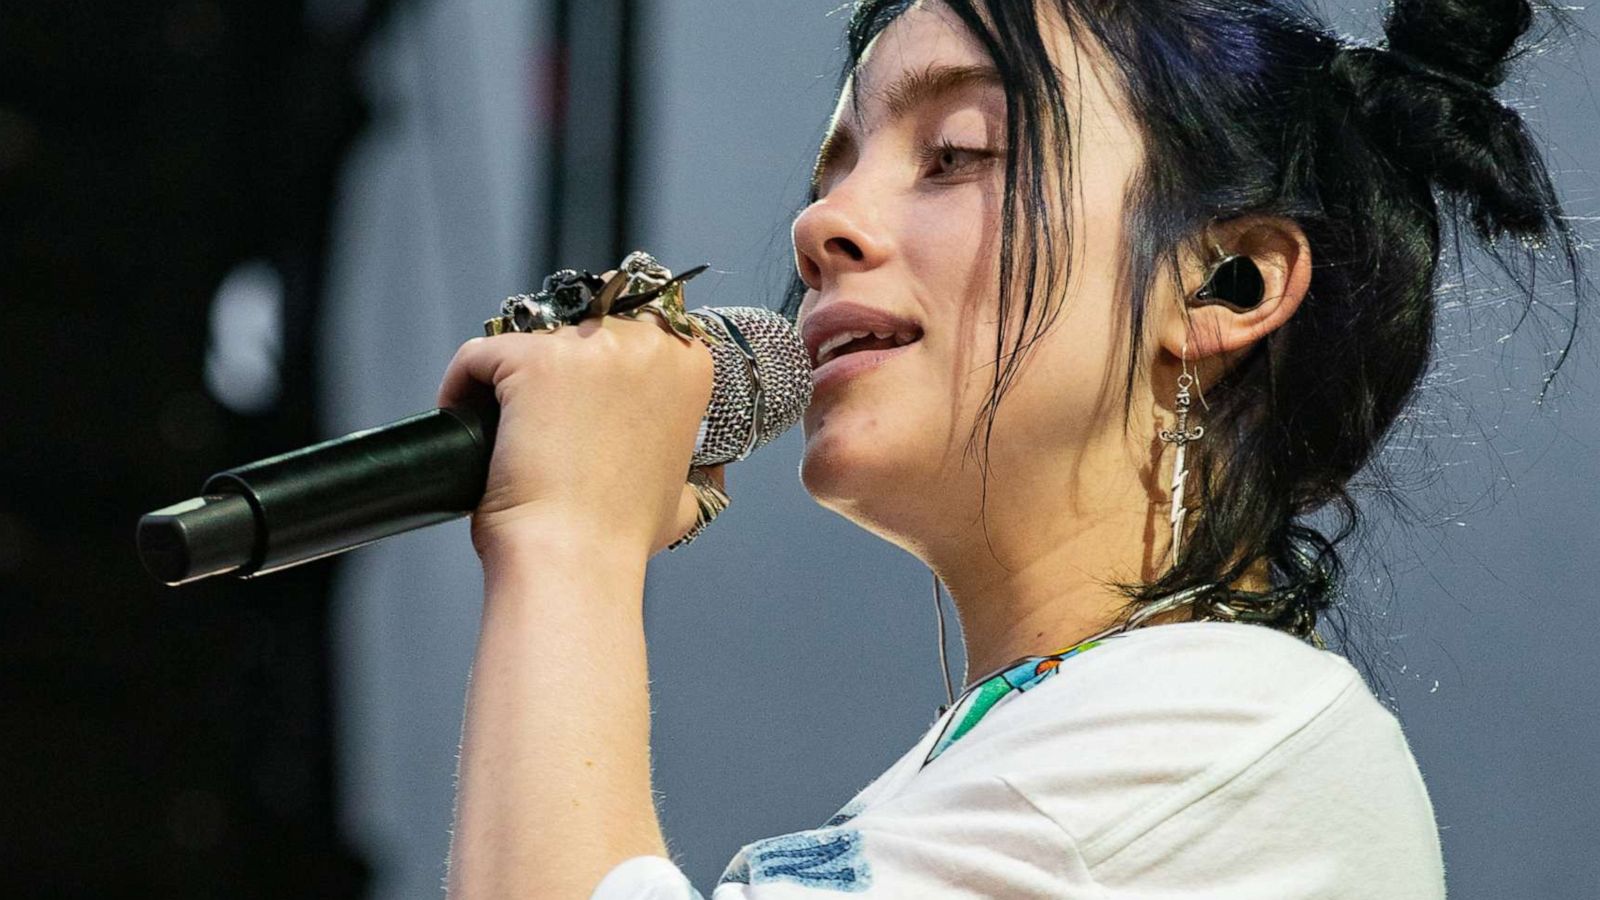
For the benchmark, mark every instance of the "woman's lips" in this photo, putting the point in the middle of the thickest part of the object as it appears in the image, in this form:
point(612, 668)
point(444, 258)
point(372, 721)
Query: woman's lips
point(849, 365)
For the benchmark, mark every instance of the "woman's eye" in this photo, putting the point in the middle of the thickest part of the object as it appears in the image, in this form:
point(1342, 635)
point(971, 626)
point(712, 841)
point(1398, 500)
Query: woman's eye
point(946, 159)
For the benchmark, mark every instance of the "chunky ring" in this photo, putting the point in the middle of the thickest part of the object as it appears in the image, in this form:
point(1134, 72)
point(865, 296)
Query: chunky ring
point(569, 296)
point(565, 297)
point(643, 273)
point(524, 313)
point(710, 500)
point(668, 307)
point(644, 276)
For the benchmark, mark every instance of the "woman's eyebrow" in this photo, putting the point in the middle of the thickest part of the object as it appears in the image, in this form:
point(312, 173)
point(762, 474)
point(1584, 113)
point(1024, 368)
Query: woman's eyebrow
point(914, 88)
point(904, 94)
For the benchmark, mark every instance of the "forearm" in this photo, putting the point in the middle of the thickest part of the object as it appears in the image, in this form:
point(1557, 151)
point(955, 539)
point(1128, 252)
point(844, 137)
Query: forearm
point(554, 783)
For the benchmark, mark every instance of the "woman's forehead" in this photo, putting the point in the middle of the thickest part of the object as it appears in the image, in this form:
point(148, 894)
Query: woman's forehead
point(928, 37)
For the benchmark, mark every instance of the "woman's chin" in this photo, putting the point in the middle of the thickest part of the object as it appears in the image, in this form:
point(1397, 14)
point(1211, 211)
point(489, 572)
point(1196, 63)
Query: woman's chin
point(850, 475)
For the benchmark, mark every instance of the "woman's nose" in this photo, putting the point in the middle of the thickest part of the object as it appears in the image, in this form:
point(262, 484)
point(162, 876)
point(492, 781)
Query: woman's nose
point(835, 235)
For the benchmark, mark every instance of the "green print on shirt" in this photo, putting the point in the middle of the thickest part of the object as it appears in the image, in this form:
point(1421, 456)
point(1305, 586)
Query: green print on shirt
point(1022, 675)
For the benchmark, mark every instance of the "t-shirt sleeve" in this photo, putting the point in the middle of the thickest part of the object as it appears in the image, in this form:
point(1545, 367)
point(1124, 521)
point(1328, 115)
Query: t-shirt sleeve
point(645, 878)
point(966, 837)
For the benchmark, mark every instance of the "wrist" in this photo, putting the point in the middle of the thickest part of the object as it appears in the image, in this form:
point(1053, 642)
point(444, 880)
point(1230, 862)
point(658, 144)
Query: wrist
point(520, 538)
point(530, 548)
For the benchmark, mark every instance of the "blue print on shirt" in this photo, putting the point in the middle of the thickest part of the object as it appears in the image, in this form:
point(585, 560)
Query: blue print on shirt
point(846, 813)
point(830, 860)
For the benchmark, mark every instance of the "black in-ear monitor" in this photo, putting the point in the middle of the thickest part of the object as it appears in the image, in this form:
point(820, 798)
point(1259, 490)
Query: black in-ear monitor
point(1235, 282)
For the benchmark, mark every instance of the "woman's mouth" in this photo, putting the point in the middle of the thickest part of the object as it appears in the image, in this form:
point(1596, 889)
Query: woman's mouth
point(845, 338)
point(859, 341)
point(850, 354)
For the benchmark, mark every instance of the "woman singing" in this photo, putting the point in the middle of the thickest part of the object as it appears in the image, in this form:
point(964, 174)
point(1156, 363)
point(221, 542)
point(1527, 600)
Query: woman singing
point(1104, 299)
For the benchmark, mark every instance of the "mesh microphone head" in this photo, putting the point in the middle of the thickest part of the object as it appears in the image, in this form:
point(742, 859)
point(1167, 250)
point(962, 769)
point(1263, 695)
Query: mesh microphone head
point(762, 382)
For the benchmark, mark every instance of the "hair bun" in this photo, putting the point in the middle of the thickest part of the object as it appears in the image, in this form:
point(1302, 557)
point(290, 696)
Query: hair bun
point(1466, 38)
point(1428, 101)
point(1456, 135)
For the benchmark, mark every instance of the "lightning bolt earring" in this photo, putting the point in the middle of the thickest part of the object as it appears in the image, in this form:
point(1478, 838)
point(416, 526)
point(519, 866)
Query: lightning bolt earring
point(1180, 437)
point(1234, 281)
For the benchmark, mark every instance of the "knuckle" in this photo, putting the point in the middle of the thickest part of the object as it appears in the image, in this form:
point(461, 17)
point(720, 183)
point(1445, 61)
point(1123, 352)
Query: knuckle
point(543, 353)
point(466, 349)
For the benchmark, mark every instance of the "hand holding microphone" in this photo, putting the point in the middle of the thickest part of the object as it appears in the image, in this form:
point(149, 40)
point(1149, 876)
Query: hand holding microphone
point(597, 428)
point(598, 425)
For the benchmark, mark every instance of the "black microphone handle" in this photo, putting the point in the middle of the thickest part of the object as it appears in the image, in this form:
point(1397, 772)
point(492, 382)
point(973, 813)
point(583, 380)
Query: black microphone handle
point(324, 499)
point(431, 468)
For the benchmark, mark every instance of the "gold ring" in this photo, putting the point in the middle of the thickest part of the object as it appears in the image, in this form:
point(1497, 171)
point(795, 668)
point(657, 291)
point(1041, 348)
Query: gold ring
point(710, 501)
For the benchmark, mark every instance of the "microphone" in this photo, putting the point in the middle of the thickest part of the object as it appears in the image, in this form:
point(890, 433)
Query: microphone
point(431, 467)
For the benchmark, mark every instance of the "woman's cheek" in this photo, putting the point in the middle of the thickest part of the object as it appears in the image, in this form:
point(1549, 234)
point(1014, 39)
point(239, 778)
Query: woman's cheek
point(952, 240)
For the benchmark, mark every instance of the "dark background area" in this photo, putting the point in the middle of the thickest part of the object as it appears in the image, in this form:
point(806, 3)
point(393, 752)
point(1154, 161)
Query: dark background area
point(183, 742)
point(158, 742)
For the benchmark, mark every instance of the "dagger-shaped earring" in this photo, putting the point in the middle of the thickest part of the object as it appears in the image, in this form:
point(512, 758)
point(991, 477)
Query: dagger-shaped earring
point(1180, 437)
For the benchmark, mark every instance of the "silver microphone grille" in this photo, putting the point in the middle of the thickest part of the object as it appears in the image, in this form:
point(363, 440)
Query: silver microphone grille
point(762, 382)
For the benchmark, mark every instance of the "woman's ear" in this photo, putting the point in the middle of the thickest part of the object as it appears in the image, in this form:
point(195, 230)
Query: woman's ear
point(1232, 315)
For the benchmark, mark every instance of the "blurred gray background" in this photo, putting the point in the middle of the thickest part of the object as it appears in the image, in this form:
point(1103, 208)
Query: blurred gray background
point(793, 656)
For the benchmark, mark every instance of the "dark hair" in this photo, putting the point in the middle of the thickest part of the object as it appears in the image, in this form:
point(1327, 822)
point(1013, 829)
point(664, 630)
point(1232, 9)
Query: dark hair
point(1253, 107)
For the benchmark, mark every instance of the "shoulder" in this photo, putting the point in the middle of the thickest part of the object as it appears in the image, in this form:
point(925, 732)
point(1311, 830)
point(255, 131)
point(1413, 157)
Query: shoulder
point(1222, 651)
point(1212, 684)
point(1209, 724)
point(1244, 674)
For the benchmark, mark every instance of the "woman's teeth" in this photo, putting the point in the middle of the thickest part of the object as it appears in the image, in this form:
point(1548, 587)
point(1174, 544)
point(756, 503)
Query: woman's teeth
point(829, 348)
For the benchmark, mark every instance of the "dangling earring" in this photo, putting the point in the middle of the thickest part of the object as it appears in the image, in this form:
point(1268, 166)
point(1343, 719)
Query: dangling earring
point(1234, 281)
point(1180, 437)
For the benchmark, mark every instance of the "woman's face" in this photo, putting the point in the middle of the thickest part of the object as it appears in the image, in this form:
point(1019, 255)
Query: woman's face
point(903, 242)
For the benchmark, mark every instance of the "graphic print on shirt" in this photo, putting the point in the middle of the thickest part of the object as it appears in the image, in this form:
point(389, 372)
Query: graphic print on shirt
point(828, 859)
point(1023, 675)
point(846, 813)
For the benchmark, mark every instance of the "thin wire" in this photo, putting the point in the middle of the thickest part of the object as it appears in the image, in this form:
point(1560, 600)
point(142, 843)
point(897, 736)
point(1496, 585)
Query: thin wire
point(944, 654)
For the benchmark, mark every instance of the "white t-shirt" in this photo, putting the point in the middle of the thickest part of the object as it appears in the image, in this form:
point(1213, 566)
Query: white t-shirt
point(1193, 760)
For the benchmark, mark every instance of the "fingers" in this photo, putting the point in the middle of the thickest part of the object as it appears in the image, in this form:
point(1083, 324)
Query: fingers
point(466, 370)
point(593, 417)
point(481, 364)
point(475, 369)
